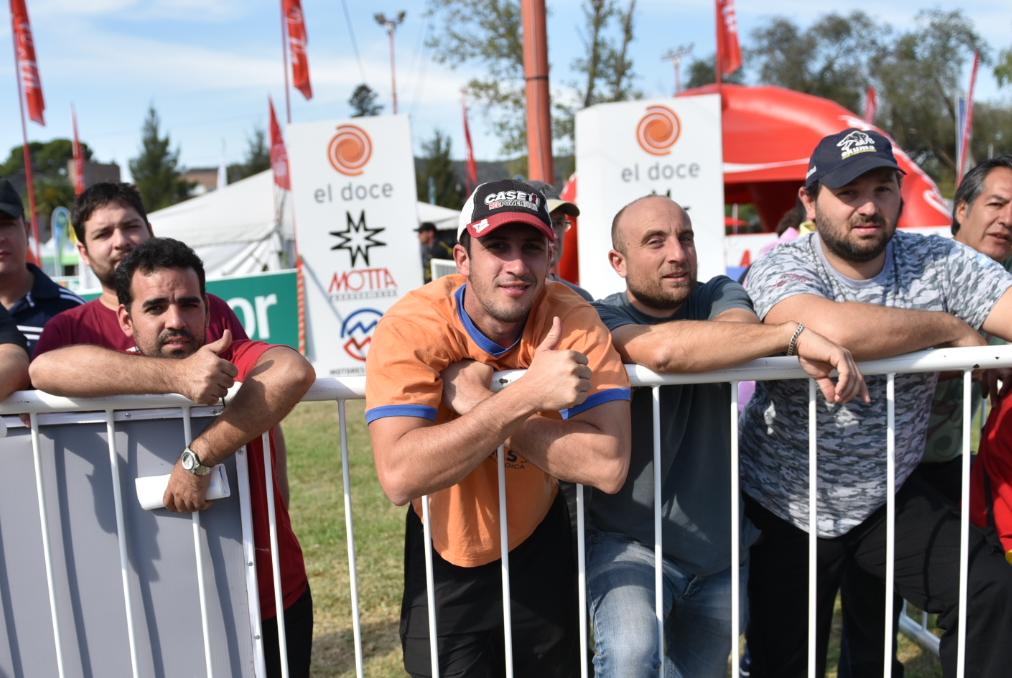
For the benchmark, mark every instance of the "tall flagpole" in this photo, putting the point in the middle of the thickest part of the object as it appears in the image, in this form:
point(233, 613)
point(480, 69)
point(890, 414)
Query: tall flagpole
point(29, 179)
point(716, 65)
point(284, 60)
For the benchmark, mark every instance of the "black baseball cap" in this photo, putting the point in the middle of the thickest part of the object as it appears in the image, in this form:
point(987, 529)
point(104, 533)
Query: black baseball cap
point(554, 201)
point(842, 157)
point(498, 203)
point(10, 201)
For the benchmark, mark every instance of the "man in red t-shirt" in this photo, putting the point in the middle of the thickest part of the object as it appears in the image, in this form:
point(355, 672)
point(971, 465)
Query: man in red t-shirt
point(163, 313)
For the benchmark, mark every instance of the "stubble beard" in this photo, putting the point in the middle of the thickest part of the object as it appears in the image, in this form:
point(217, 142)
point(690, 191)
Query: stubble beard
point(857, 252)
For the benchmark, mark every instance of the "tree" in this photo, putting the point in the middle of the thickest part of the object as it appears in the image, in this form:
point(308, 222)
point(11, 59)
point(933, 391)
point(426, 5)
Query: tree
point(1003, 70)
point(156, 170)
point(702, 72)
point(829, 59)
point(363, 102)
point(258, 157)
point(49, 169)
point(486, 36)
point(437, 167)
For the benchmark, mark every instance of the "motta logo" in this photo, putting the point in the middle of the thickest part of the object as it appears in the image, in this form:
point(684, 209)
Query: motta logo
point(658, 130)
point(349, 150)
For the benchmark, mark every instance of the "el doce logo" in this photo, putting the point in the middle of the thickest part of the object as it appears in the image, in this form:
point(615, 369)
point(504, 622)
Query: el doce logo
point(349, 150)
point(658, 130)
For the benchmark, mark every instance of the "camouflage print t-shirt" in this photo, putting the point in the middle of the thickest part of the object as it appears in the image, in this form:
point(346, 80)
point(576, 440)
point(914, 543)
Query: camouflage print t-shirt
point(926, 273)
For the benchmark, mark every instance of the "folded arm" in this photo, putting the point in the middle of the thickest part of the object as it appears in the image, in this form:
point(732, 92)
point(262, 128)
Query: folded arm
point(13, 369)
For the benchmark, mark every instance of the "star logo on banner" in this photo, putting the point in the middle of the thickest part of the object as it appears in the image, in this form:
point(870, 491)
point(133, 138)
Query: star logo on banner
point(357, 238)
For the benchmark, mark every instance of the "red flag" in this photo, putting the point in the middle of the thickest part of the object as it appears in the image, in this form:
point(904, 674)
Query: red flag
point(967, 131)
point(870, 105)
point(728, 47)
point(279, 156)
point(297, 41)
point(78, 157)
point(472, 165)
point(28, 68)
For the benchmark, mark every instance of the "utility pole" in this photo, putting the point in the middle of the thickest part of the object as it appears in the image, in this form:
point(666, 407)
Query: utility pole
point(675, 56)
point(391, 25)
point(540, 163)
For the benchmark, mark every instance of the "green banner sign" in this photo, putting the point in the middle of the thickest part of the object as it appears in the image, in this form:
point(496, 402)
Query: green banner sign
point(266, 304)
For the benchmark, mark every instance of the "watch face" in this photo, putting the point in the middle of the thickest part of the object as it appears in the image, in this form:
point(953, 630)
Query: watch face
point(188, 460)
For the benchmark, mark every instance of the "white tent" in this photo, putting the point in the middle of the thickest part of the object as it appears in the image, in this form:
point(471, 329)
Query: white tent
point(237, 230)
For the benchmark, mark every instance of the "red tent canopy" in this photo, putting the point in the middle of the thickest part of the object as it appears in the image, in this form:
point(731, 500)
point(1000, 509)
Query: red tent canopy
point(769, 133)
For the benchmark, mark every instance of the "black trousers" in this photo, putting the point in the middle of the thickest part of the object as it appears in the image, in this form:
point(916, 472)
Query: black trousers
point(926, 574)
point(469, 615)
point(863, 594)
point(298, 634)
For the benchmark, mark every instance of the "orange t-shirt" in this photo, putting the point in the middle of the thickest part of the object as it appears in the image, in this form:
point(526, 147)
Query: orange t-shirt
point(427, 331)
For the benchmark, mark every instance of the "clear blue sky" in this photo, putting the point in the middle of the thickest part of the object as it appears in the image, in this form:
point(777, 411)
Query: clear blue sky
point(209, 65)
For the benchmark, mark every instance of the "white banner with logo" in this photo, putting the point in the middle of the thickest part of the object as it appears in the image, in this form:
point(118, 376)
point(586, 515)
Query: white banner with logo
point(353, 183)
point(627, 150)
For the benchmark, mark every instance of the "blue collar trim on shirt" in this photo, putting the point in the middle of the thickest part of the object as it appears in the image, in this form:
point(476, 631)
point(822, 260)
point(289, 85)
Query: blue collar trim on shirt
point(484, 343)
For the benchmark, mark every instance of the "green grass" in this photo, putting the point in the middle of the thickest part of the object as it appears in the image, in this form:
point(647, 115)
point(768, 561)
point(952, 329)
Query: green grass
point(314, 469)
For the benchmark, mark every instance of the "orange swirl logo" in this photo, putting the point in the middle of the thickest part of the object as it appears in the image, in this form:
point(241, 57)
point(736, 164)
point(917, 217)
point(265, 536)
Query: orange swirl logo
point(658, 130)
point(349, 150)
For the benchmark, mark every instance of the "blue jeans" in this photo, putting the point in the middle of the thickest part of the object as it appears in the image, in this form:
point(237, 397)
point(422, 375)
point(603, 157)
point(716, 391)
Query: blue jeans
point(697, 613)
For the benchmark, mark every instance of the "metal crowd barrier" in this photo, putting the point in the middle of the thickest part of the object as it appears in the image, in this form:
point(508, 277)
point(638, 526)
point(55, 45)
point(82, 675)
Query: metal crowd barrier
point(36, 404)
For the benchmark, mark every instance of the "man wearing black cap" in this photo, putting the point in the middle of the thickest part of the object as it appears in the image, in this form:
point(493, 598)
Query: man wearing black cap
point(435, 428)
point(31, 297)
point(431, 248)
point(561, 213)
point(879, 293)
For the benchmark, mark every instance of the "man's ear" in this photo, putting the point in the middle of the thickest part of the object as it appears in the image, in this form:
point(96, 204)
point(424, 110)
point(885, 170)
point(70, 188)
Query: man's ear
point(83, 252)
point(808, 202)
point(461, 258)
point(125, 321)
point(617, 261)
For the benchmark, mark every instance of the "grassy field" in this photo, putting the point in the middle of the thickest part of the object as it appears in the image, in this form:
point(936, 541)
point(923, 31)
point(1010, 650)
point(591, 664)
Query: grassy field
point(318, 516)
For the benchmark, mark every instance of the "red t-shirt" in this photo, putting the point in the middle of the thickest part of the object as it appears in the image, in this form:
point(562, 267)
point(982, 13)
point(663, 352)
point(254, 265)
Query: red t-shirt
point(244, 355)
point(94, 323)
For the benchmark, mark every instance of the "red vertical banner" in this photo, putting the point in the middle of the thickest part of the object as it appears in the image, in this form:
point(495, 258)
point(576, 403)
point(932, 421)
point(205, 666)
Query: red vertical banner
point(78, 157)
point(472, 164)
point(728, 46)
point(28, 68)
point(967, 131)
point(279, 156)
point(297, 41)
point(870, 105)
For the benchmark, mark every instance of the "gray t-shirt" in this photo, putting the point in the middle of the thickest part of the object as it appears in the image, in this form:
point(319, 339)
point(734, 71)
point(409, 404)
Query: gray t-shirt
point(695, 451)
point(927, 273)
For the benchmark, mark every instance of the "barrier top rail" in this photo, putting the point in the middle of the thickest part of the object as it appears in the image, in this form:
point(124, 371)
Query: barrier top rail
point(349, 388)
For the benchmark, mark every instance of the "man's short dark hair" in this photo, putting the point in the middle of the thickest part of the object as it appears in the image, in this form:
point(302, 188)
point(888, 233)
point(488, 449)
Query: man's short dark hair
point(101, 194)
point(152, 255)
point(972, 185)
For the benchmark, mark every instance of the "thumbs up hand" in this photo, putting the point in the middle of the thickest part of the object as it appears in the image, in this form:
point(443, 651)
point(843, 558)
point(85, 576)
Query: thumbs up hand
point(557, 378)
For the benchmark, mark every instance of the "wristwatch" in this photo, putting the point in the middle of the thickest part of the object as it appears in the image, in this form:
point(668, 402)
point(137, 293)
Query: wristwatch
point(191, 462)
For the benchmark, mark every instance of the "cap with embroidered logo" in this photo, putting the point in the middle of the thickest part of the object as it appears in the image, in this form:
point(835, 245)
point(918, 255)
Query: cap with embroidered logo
point(498, 203)
point(842, 157)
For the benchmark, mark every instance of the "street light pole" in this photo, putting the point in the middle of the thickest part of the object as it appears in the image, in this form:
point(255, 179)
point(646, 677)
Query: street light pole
point(391, 25)
point(675, 56)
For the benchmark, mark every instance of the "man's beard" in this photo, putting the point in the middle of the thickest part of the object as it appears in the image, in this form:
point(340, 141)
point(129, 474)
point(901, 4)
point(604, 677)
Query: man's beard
point(653, 296)
point(857, 252)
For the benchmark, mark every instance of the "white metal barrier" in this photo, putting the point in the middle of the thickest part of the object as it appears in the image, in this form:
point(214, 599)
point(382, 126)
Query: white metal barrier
point(965, 359)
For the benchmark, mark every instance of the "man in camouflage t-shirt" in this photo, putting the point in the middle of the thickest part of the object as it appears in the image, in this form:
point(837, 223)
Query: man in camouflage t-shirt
point(878, 293)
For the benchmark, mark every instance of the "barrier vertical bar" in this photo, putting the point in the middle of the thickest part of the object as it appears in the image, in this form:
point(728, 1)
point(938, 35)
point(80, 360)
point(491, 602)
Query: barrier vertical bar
point(249, 552)
point(356, 625)
point(272, 522)
point(655, 393)
point(581, 576)
point(199, 557)
point(430, 591)
point(735, 538)
point(890, 564)
point(504, 549)
point(44, 521)
point(964, 530)
point(813, 524)
point(117, 498)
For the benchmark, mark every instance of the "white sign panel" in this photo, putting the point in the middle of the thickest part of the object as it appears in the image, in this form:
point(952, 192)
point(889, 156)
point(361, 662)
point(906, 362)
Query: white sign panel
point(627, 150)
point(353, 183)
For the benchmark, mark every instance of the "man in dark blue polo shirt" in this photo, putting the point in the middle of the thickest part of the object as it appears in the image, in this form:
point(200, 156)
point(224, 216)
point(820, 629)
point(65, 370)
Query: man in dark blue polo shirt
point(28, 294)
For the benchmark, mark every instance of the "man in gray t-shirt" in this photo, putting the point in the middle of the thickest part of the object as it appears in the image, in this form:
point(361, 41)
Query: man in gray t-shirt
point(668, 322)
point(879, 293)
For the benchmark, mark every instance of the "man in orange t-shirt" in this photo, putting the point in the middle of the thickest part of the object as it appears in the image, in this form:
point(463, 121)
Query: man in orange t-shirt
point(435, 428)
